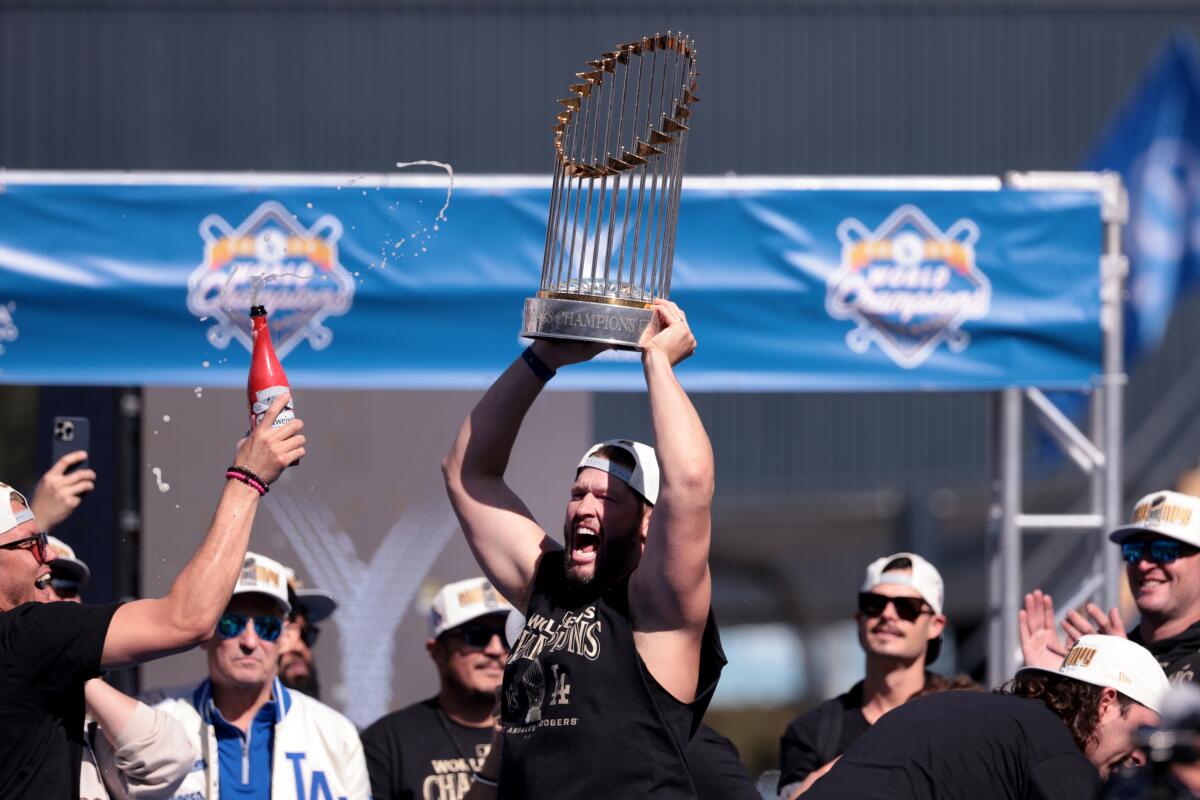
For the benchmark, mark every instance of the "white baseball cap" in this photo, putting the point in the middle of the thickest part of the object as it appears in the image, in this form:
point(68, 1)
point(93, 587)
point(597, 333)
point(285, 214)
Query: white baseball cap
point(462, 601)
point(66, 564)
point(644, 478)
point(1170, 514)
point(923, 577)
point(1114, 662)
point(10, 519)
point(263, 575)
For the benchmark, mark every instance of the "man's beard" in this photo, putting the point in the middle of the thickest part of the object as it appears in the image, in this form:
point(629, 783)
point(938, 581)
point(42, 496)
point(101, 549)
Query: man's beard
point(611, 557)
point(308, 684)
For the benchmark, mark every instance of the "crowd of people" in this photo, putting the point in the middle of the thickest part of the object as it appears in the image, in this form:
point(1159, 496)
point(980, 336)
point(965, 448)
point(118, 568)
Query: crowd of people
point(579, 668)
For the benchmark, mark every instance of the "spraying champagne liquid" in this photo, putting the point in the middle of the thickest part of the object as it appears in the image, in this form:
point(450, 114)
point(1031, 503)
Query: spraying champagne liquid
point(267, 379)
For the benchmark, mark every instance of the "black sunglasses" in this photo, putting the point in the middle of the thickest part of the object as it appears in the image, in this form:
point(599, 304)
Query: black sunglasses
point(1158, 551)
point(309, 635)
point(37, 543)
point(478, 637)
point(907, 608)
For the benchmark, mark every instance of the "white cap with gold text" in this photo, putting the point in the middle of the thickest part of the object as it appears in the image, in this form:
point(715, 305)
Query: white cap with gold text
point(1170, 514)
point(262, 575)
point(1114, 662)
point(460, 602)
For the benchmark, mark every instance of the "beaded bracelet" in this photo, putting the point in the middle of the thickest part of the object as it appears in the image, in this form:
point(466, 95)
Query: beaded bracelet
point(477, 778)
point(246, 479)
point(249, 473)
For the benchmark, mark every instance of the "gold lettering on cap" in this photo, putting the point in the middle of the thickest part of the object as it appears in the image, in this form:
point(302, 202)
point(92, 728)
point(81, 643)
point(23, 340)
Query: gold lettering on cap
point(471, 596)
point(1163, 513)
point(266, 575)
point(1080, 656)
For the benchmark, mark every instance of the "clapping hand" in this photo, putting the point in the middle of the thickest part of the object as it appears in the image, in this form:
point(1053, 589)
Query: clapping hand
point(1040, 644)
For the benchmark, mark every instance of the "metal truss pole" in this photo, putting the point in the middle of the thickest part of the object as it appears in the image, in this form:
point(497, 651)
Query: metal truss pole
point(1114, 267)
point(1098, 455)
point(1011, 435)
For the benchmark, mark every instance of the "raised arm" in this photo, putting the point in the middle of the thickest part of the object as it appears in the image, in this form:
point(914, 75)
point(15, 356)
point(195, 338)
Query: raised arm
point(59, 492)
point(147, 629)
point(142, 751)
point(671, 589)
point(502, 533)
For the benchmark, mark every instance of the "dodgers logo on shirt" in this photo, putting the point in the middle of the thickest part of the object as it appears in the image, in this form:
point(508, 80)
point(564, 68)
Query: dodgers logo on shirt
point(305, 282)
point(8, 328)
point(907, 285)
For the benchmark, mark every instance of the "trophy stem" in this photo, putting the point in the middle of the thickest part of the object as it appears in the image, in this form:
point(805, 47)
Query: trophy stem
point(637, 229)
point(548, 253)
point(655, 214)
point(603, 192)
point(629, 189)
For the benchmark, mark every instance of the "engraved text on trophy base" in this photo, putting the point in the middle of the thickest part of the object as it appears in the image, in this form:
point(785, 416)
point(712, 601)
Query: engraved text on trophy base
point(591, 322)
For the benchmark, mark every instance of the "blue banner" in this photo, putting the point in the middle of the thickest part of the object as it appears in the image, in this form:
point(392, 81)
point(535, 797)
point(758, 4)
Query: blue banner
point(1154, 142)
point(399, 283)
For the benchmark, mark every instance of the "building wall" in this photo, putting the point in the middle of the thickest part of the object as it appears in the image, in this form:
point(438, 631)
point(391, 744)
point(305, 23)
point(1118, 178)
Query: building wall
point(802, 87)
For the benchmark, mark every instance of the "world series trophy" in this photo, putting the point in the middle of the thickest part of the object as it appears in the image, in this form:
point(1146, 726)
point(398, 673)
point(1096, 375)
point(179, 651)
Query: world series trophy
point(614, 202)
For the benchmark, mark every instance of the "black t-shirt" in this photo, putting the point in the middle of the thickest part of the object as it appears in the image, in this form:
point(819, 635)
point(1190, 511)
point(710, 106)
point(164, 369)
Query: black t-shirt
point(963, 746)
point(419, 753)
point(1179, 655)
point(807, 743)
point(583, 717)
point(47, 652)
point(717, 769)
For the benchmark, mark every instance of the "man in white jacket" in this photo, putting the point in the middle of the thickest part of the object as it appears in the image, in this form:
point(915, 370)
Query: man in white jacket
point(256, 738)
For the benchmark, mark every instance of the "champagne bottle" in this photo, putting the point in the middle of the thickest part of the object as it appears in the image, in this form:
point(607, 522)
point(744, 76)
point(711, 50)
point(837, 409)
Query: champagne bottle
point(267, 379)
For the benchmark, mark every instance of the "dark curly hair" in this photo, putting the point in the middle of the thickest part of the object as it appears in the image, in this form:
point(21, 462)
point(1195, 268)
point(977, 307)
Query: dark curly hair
point(1076, 703)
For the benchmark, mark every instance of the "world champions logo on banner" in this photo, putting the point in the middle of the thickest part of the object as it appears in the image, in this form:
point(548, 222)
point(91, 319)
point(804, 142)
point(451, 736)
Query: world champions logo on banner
point(908, 285)
point(305, 283)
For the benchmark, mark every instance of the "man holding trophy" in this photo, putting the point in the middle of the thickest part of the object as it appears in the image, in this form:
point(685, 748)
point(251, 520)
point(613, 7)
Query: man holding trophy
point(619, 654)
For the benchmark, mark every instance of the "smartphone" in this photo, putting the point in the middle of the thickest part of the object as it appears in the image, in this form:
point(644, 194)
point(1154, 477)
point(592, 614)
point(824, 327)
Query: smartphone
point(70, 434)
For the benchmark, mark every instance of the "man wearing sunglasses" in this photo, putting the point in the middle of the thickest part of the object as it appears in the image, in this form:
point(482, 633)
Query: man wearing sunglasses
point(257, 738)
point(620, 654)
point(430, 750)
point(48, 650)
point(297, 664)
point(900, 626)
point(1161, 550)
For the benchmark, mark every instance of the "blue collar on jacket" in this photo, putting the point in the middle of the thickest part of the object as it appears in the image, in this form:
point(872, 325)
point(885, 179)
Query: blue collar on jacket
point(202, 700)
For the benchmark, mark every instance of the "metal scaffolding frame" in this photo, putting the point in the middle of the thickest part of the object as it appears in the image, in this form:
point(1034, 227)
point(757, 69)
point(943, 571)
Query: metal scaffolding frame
point(1097, 453)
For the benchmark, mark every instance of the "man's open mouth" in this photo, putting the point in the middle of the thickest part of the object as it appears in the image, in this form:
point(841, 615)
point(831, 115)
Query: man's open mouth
point(585, 543)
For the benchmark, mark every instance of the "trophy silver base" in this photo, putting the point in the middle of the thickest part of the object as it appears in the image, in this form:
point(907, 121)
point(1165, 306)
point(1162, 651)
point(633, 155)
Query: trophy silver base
point(584, 321)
